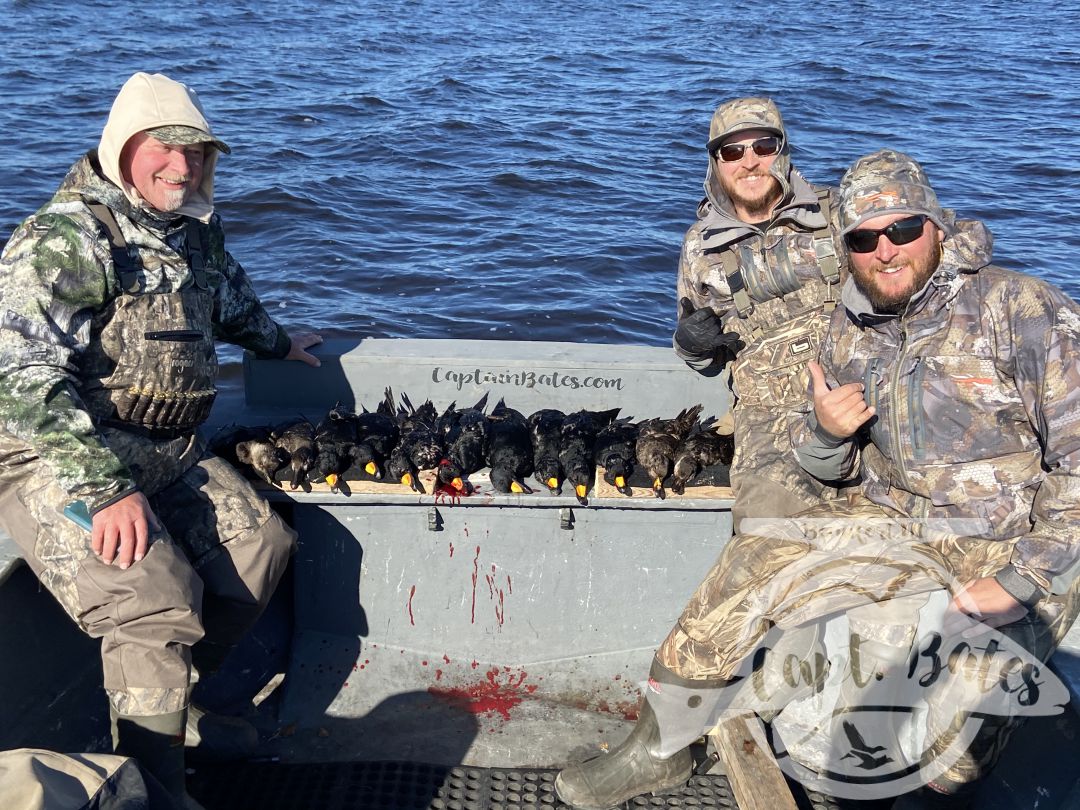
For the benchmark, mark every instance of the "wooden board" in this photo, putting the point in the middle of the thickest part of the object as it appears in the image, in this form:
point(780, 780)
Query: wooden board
point(601, 489)
point(757, 782)
point(358, 486)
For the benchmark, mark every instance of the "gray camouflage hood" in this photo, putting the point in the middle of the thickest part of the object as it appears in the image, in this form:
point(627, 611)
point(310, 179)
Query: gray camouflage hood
point(966, 251)
point(146, 102)
point(798, 201)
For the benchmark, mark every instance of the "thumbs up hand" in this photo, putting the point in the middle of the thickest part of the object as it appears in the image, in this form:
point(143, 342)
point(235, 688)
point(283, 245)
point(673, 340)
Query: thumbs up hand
point(840, 411)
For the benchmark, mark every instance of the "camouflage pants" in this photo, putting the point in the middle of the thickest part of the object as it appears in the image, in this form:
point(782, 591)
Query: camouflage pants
point(766, 477)
point(851, 556)
point(206, 576)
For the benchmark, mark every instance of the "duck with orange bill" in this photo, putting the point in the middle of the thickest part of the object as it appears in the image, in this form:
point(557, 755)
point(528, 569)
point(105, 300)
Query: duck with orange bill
point(509, 449)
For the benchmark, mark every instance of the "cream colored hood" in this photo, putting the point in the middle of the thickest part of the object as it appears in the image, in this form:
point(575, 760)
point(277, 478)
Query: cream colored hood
point(147, 101)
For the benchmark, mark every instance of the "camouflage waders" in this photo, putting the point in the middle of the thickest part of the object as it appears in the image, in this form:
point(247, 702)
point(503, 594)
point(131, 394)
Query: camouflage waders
point(206, 577)
point(775, 284)
point(852, 557)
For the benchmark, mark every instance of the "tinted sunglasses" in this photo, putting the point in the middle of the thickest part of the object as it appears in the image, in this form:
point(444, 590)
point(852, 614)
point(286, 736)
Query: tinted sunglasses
point(763, 147)
point(865, 240)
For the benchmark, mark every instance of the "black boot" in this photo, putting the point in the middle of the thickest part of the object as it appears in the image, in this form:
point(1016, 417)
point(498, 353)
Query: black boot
point(219, 737)
point(157, 742)
point(637, 765)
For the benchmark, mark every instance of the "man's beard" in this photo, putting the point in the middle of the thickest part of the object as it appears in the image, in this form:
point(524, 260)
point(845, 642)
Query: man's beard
point(760, 206)
point(895, 303)
point(172, 200)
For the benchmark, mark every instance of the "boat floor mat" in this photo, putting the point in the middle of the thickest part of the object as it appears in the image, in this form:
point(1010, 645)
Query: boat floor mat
point(417, 786)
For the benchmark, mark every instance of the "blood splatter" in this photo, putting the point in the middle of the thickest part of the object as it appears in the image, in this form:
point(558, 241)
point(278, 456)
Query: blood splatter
point(489, 695)
point(475, 576)
point(500, 609)
point(447, 495)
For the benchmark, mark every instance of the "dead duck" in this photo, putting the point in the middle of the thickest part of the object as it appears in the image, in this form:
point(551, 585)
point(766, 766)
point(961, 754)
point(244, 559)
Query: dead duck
point(698, 451)
point(335, 445)
point(454, 421)
point(376, 437)
point(614, 452)
point(658, 440)
point(400, 469)
point(545, 427)
point(465, 432)
point(250, 449)
point(576, 441)
point(264, 458)
point(297, 438)
point(509, 449)
point(419, 435)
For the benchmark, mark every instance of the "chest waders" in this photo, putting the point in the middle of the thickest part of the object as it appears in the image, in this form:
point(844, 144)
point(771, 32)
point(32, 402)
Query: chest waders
point(781, 317)
point(160, 345)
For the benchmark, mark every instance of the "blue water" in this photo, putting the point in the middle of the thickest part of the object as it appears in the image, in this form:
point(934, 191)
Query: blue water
point(518, 170)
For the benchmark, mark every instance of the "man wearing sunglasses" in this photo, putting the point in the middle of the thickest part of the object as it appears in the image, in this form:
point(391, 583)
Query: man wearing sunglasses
point(949, 385)
point(757, 280)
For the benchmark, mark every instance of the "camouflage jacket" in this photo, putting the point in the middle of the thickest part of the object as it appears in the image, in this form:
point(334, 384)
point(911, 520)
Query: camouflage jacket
point(783, 278)
point(977, 396)
point(58, 291)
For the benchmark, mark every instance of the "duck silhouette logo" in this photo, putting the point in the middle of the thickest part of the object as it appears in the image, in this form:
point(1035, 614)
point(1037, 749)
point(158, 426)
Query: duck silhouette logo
point(869, 756)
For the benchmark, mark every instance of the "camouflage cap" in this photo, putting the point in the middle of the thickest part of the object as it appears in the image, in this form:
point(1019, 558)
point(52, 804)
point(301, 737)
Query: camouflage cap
point(886, 182)
point(181, 135)
point(744, 113)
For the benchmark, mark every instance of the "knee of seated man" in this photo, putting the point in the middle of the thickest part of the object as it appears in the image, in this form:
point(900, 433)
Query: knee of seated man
point(279, 536)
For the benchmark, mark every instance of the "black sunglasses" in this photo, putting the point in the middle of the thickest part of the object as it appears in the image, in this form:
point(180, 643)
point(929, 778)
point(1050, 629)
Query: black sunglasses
point(763, 147)
point(865, 240)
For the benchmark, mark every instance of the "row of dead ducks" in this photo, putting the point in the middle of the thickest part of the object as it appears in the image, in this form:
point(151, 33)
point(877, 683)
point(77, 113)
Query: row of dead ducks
point(398, 440)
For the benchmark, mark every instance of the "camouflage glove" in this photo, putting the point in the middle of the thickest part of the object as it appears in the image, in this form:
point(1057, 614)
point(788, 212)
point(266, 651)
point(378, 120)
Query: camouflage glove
point(700, 333)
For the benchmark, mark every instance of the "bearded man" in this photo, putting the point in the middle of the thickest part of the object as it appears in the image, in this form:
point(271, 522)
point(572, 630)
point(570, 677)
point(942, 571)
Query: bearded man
point(758, 276)
point(113, 295)
point(948, 387)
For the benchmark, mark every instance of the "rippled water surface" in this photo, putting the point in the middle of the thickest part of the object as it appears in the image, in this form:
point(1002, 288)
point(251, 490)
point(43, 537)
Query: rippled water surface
point(526, 170)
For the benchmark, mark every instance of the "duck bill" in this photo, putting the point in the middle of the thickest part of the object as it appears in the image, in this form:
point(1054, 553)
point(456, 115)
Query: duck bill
point(658, 488)
point(406, 479)
point(516, 487)
point(458, 484)
point(580, 490)
point(332, 480)
point(620, 483)
point(371, 468)
point(552, 483)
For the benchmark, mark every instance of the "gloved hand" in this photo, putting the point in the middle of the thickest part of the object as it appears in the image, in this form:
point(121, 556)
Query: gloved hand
point(700, 332)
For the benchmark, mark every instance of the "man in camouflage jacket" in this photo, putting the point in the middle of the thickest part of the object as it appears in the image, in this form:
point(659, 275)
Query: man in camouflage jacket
point(111, 298)
point(758, 275)
point(952, 387)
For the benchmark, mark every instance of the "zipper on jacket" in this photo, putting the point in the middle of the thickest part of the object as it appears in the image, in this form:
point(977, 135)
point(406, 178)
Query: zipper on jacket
point(179, 335)
point(915, 415)
point(894, 396)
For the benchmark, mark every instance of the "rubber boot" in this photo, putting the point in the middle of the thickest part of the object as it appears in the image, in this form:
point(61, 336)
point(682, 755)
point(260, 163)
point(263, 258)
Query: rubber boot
point(219, 737)
point(655, 757)
point(157, 742)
